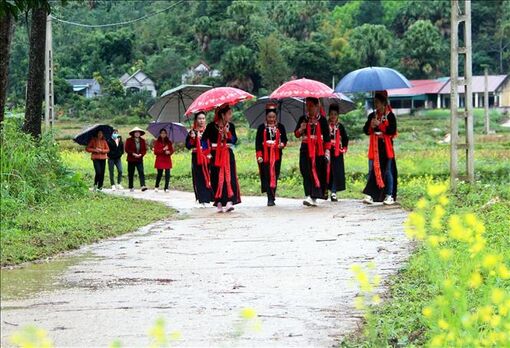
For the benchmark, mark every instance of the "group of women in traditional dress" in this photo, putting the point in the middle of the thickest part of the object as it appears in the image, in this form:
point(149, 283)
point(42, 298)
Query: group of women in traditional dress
point(324, 141)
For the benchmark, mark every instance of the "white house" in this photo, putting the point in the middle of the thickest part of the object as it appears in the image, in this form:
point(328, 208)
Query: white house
point(89, 88)
point(199, 71)
point(139, 82)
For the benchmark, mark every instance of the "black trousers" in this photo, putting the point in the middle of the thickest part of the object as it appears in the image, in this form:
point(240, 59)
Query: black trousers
point(99, 168)
point(131, 173)
point(112, 163)
point(167, 178)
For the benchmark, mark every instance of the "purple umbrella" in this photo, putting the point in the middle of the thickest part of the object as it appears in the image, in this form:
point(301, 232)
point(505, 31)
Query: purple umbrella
point(177, 132)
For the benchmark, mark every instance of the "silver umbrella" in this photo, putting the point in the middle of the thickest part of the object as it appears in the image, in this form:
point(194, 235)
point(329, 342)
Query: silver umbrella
point(172, 104)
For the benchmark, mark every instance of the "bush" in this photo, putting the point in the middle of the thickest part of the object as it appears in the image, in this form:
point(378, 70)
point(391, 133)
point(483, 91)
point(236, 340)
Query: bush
point(31, 171)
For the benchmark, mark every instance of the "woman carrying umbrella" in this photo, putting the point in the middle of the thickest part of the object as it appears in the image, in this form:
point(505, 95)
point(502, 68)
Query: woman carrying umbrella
point(163, 149)
point(200, 157)
point(221, 134)
point(98, 147)
point(136, 148)
point(381, 127)
point(270, 140)
point(314, 154)
point(339, 143)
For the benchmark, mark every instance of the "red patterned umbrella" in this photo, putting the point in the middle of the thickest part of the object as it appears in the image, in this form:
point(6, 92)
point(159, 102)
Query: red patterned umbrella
point(216, 97)
point(302, 88)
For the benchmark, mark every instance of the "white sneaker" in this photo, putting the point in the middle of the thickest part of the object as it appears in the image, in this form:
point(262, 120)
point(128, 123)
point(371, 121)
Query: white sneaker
point(156, 189)
point(389, 200)
point(202, 205)
point(119, 187)
point(314, 202)
point(229, 207)
point(166, 190)
point(132, 190)
point(308, 201)
point(219, 208)
point(368, 200)
point(113, 188)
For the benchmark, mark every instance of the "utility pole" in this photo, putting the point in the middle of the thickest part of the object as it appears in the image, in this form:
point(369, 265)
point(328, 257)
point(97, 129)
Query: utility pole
point(486, 102)
point(459, 16)
point(49, 112)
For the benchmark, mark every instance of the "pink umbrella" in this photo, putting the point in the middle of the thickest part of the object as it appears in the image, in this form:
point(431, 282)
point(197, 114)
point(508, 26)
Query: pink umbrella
point(302, 88)
point(216, 97)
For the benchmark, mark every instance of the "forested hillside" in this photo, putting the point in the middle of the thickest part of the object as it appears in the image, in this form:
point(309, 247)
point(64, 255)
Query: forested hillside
point(258, 44)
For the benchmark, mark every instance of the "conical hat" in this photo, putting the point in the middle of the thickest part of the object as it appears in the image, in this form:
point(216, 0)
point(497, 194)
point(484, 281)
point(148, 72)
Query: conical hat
point(137, 129)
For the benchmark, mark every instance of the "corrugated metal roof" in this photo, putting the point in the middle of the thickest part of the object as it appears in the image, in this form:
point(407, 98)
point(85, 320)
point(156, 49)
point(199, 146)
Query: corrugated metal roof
point(419, 87)
point(478, 84)
point(81, 82)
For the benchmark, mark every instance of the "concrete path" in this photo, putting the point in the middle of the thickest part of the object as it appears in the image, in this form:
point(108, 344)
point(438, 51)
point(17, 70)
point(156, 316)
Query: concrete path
point(290, 263)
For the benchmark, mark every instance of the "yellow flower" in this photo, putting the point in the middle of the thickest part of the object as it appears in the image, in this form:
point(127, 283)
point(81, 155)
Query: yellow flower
point(356, 268)
point(436, 190)
point(433, 240)
point(495, 321)
point(443, 200)
point(477, 246)
point(427, 312)
point(445, 254)
point(503, 271)
point(443, 324)
point(475, 280)
point(248, 313)
point(437, 341)
point(437, 216)
point(485, 313)
point(489, 261)
point(457, 230)
point(376, 299)
point(359, 303)
point(175, 335)
point(447, 283)
point(497, 295)
point(422, 203)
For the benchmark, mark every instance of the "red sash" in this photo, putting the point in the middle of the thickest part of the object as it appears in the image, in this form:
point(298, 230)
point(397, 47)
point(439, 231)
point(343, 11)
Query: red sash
point(374, 147)
point(271, 155)
point(223, 162)
point(315, 147)
point(203, 161)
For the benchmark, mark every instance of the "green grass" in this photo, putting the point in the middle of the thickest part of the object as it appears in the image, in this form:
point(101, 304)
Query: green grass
point(65, 224)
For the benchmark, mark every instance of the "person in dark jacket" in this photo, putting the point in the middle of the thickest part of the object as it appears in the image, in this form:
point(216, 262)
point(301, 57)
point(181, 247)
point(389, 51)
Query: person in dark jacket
point(270, 140)
point(339, 143)
point(116, 146)
point(136, 148)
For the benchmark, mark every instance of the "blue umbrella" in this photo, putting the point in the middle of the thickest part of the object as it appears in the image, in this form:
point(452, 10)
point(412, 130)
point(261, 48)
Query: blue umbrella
point(177, 132)
point(372, 79)
point(83, 138)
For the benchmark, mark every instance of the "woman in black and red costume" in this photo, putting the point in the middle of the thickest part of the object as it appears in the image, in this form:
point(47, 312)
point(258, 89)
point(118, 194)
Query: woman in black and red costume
point(339, 143)
point(270, 140)
point(221, 134)
point(313, 129)
point(200, 158)
point(381, 127)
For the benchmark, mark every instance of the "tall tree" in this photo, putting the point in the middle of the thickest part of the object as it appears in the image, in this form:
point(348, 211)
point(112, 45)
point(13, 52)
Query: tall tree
point(6, 28)
point(370, 43)
point(238, 64)
point(424, 50)
point(271, 63)
point(35, 82)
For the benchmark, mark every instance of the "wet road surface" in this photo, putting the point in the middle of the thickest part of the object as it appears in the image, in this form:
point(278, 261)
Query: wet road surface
point(290, 263)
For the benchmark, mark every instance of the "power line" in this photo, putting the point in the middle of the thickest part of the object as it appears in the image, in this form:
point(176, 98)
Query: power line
point(119, 23)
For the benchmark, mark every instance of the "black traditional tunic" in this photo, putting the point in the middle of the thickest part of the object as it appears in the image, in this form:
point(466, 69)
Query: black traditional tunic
point(339, 143)
point(267, 144)
point(380, 152)
point(312, 162)
point(200, 167)
point(223, 164)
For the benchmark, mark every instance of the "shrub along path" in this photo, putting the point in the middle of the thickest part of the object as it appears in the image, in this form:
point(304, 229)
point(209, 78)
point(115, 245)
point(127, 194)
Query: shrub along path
point(290, 263)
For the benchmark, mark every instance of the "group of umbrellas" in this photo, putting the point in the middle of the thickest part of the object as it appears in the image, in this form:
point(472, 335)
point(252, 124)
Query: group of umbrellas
point(178, 104)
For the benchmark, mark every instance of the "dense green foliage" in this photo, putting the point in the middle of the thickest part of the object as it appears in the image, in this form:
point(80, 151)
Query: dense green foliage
point(47, 208)
point(257, 44)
